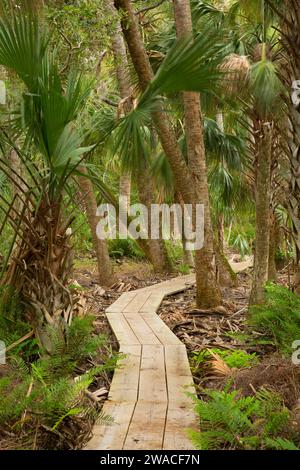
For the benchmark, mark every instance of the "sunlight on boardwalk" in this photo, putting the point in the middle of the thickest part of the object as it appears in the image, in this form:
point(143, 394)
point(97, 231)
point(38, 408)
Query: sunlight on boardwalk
point(148, 397)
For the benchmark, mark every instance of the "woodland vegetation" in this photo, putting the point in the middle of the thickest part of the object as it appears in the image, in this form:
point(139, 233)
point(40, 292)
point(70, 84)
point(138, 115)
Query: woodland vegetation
point(171, 101)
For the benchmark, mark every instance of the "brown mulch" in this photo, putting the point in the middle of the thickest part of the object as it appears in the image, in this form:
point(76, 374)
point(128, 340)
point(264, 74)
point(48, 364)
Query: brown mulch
point(212, 330)
point(273, 373)
point(199, 330)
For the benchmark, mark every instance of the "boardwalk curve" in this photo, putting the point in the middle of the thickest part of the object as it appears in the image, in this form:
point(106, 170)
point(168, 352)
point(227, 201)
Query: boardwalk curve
point(148, 398)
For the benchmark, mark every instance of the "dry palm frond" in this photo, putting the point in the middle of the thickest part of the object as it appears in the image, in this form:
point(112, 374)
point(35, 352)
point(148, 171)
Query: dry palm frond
point(218, 366)
point(236, 68)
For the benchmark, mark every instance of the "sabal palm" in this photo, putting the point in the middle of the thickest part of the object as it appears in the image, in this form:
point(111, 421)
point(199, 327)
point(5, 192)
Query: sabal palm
point(49, 146)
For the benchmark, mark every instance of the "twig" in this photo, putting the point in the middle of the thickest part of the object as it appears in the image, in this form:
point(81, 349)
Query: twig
point(19, 341)
point(152, 7)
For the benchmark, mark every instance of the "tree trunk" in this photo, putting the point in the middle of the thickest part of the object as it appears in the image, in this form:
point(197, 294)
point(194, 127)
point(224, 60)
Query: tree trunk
point(290, 71)
point(273, 245)
point(208, 293)
point(155, 249)
point(105, 271)
point(263, 199)
point(125, 188)
point(190, 185)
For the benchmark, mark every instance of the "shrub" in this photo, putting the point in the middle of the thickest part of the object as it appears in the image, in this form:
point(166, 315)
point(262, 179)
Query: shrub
point(278, 318)
point(50, 389)
point(233, 358)
point(230, 421)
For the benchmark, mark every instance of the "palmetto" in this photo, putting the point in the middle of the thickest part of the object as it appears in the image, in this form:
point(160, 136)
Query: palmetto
point(43, 134)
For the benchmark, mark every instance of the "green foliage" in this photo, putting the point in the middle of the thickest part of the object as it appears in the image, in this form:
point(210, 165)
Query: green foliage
point(55, 394)
point(230, 421)
point(184, 268)
point(125, 247)
point(278, 318)
point(236, 358)
point(175, 251)
point(265, 85)
point(241, 244)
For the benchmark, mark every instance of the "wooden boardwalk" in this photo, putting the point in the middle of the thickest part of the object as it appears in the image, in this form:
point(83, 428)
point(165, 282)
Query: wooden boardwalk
point(148, 398)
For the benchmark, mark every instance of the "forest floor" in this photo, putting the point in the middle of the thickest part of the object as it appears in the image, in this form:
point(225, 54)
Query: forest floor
point(223, 330)
point(226, 331)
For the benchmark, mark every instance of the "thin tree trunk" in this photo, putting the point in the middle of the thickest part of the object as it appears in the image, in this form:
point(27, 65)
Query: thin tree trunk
point(186, 182)
point(208, 293)
point(125, 188)
point(263, 199)
point(220, 216)
point(105, 271)
point(156, 251)
point(273, 245)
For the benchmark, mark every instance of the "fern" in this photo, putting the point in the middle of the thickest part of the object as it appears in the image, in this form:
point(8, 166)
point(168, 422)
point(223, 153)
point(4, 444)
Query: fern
point(55, 395)
point(278, 318)
point(233, 358)
point(231, 421)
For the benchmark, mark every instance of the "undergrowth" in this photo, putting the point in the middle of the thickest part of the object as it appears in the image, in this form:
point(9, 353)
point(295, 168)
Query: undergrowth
point(44, 392)
point(230, 421)
point(233, 358)
point(278, 318)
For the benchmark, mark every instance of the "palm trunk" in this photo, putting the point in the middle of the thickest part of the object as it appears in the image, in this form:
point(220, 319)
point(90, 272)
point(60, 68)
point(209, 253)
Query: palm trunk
point(121, 67)
point(188, 180)
point(273, 245)
point(290, 40)
point(105, 271)
point(263, 200)
point(208, 293)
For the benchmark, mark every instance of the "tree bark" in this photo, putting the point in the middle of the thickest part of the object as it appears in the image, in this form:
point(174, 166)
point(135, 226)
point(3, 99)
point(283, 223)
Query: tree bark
point(105, 271)
point(273, 245)
point(205, 260)
point(188, 179)
point(290, 71)
point(263, 200)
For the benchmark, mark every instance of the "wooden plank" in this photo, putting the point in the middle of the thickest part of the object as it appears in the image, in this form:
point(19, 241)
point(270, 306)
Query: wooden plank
point(112, 436)
point(122, 329)
point(140, 328)
point(136, 303)
point(148, 394)
point(179, 376)
point(147, 426)
point(125, 383)
point(153, 386)
point(160, 329)
point(152, 303)
point(122, 301)
point(179, 421)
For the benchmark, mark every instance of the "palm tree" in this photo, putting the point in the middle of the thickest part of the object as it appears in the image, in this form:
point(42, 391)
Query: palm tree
point(205, 259)
point(186, 178)
point(38, 262)
point(288, 15)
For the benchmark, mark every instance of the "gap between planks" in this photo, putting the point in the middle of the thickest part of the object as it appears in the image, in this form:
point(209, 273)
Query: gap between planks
point(148, 398)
